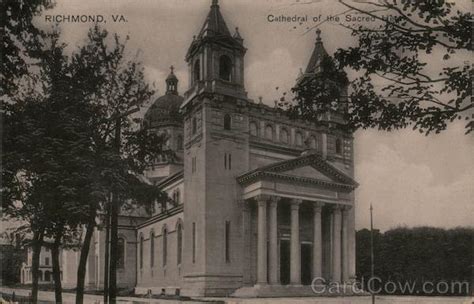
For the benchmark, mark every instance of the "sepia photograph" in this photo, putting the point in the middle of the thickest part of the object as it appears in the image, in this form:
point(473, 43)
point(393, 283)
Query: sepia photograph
point(237, 152)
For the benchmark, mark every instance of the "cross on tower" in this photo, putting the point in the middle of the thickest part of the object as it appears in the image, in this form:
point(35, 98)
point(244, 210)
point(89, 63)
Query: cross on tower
point(172, 69)
point(318, 34)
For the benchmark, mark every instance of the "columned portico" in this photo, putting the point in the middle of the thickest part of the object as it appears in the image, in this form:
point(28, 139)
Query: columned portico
point(300, 225)
point(268, 242)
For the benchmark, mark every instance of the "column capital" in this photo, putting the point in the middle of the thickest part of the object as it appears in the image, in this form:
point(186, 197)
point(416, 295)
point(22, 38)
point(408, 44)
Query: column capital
point(295, 202)
point(317, 206)
point(346, 208)
point(262, 197)
point(274, 201)
point(336, 207)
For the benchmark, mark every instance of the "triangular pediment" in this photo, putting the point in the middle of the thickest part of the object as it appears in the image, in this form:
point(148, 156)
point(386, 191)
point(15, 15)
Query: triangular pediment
point(310, 168)
point(309, 172)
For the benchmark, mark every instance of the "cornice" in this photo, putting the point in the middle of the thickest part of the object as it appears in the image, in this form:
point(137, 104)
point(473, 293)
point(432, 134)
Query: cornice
point(161, 216)
point(248, 179)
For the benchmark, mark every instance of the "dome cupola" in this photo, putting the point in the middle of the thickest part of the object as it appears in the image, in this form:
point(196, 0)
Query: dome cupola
point(165, 110)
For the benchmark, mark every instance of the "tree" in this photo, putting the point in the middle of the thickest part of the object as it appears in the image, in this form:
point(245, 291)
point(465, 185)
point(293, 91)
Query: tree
point(45, 148)
point(61, 159)
point(115, 88)
point(417, 255)
point(21, 40)
point(407, 67)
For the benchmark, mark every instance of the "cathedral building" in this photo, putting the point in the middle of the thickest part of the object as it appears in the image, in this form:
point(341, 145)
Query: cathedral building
point(261, 204)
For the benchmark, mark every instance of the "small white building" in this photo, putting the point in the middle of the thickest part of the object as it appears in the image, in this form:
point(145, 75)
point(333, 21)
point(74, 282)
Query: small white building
point(45, 267)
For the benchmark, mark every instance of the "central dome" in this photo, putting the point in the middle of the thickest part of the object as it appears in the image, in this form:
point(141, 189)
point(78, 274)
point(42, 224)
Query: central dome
point(165, 110)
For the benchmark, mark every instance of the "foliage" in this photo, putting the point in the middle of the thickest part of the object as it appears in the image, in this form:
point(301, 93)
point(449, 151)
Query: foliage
point(422, 254)
point(21, 40)
point(11, 258)
point(61, 159)
point(407, 67)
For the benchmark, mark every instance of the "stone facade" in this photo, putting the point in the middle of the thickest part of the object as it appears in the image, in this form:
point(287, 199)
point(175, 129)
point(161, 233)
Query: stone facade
point(260, 202)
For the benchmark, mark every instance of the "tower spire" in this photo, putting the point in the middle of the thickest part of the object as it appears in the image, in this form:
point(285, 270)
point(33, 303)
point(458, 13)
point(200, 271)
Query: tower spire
point(318, 54)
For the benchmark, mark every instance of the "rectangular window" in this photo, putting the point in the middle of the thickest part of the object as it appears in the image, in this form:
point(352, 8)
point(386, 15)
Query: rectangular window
point(227, 161)
point(227, 241)
point(193, 164)
point(194, 242)
point(46, 261)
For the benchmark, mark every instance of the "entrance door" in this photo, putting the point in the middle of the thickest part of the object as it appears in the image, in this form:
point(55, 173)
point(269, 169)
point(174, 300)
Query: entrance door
point(285, 262)
point(306, 264)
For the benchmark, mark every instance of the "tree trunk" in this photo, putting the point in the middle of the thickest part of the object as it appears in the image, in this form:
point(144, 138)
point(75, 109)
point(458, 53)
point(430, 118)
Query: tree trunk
point(81, 270)
point(113, 252)
point(37, 243)
point(58, 289)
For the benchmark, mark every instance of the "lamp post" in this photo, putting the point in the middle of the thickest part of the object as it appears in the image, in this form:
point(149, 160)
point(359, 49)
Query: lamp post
point(372, 255)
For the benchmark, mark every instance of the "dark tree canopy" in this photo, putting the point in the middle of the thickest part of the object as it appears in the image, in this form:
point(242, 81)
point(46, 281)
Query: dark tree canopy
point(417, 255)
point(21, 39)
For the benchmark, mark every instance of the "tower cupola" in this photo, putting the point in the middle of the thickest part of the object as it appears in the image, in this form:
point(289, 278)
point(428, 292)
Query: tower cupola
point(172, 82)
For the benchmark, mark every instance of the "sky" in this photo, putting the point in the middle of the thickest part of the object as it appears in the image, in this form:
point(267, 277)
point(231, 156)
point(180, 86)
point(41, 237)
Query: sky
point(410, 179)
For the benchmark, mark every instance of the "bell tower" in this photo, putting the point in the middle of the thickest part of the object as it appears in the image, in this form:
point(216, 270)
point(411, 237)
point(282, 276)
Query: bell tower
point(337, 138)
point(215, 153)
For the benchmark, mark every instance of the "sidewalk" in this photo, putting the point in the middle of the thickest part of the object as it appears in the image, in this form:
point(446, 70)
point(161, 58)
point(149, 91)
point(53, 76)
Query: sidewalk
point(69, 298)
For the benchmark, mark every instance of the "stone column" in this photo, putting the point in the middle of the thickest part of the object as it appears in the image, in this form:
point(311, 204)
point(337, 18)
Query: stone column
point(317, 240)
point(273, 242)
point(336, 245)
point(295, 250)
point(246, 238)
point(262, 240)
point(345, 244)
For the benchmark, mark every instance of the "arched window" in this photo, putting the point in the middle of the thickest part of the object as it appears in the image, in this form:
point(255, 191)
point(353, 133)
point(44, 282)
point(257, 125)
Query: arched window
point(227, 122)
point(284, 136)
point(269, 132)
point(225, 68)
point(141, 251)
point(152, 249)
point(179, 142)
point(47, 276)
point(197, 71)
point(121, 253)
point(165, 245)
point(179, 249)
point(253, 129)
point(338, 146)
point(194, 125)
point(298, 139)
